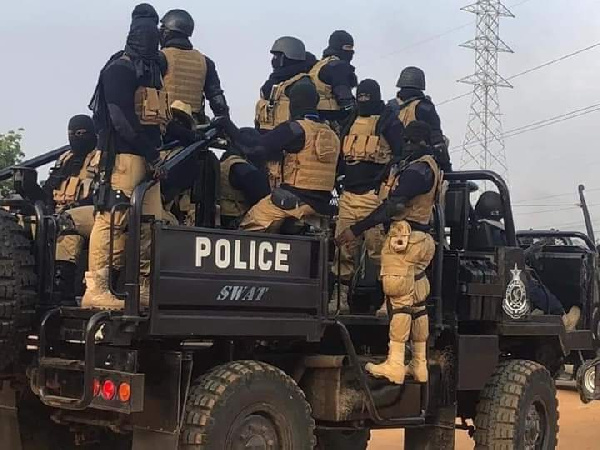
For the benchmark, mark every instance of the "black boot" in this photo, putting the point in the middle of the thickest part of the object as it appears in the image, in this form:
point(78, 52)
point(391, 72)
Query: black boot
point(64, 283)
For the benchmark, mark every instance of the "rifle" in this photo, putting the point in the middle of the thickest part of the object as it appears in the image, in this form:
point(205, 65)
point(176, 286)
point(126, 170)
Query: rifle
point(36, 162)
point(170, 163)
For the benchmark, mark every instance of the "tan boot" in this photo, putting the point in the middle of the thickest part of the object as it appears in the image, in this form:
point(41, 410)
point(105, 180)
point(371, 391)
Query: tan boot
point(417, 367)
point(343, 290)
point(571, 319)
point(144, 292)
point(97, 294)
point(393, 368)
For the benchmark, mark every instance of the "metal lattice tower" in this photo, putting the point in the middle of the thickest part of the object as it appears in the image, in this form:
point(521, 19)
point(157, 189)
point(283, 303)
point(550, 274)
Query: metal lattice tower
point(483, 146)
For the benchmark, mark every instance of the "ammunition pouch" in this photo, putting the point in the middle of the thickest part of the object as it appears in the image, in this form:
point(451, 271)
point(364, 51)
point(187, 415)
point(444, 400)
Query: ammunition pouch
point(152, 106)
point(105, 197)
point(285, 200)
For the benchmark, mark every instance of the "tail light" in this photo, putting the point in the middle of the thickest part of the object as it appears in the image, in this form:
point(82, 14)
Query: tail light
point(109, 389)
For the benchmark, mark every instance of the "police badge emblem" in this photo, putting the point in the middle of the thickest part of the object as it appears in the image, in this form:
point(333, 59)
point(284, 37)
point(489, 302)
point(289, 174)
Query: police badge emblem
point(515, 303)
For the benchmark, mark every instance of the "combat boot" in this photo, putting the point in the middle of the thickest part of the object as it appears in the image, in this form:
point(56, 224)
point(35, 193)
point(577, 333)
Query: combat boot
point(97, 293)
point(571, 319)
point(343, 290)
point(393, 368)
point(417, 367)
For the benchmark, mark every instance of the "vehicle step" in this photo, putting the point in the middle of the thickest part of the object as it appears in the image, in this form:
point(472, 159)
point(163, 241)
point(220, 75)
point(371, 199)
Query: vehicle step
point(61, 363)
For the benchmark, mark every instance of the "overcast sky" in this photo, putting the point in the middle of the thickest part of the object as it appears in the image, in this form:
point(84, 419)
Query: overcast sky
point(52, 52)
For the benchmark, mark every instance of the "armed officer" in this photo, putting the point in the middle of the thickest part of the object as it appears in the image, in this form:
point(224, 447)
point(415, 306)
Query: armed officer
point(190, 76)
point(70, 184)
point(411, 189)
point(130, 111)
point(334, 78)
point(309, 150)
point(290, 63)
point(373, 138)
point(243, 183)
point(412, 104)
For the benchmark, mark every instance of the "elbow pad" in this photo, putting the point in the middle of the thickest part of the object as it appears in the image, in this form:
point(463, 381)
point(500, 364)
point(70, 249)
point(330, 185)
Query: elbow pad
point(218, 104)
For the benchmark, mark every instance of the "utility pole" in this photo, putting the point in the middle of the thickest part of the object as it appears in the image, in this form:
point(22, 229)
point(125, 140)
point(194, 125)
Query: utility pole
point(483, 147)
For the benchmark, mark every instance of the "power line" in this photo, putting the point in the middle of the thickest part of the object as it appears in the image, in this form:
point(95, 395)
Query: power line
point(545, 197)
point(539, 124)
point(438, 36)
point(530, 70)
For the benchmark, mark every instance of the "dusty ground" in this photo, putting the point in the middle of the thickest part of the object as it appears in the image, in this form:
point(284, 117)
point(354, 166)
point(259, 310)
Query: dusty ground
point(579, 428)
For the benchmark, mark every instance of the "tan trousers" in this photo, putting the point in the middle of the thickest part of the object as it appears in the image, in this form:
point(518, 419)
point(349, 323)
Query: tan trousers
point(404, 257)
point(128, 172)
point(268, 217)
point(352, 209)
point(70, 245)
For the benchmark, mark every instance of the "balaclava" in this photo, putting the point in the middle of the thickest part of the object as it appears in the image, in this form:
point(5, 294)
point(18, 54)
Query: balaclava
point(304, 99)
point(82, 134)
point(142, 45)
point(417, 136)
point(368, 96)
point(341, 44)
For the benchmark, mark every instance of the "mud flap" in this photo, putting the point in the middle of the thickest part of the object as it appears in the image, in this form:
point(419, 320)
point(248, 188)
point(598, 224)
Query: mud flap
point(9, 422)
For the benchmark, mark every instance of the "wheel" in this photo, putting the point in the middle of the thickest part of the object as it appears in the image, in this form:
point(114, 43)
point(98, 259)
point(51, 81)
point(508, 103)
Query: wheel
point(586, 381)
point(247, 404)
point(17, 288)
point(517, 409)
point(343, 440)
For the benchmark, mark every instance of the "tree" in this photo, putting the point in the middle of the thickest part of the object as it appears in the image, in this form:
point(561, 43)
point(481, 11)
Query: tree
point(10, 154)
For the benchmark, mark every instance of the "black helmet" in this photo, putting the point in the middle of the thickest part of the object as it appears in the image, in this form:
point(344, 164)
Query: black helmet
point(412, 77)
point(489, 206)
point(291, 47)
point(178, 20)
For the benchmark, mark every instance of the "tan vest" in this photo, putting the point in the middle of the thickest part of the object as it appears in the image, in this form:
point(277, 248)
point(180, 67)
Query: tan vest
point(77, 187)
point(185, 78)
point(408, 113)
point(233, 202)
point(314, 166)
point(275, 110)
point(327, 101)
point(420, 208)
point(362, 144)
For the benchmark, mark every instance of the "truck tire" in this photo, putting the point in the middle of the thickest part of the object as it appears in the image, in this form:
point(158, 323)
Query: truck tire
point(585, 378)
point(17, 289)
point(343, 440)
point(517, 409)
point(247, 404)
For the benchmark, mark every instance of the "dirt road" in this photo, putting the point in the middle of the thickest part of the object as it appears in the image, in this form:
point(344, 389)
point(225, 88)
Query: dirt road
point(579, 428)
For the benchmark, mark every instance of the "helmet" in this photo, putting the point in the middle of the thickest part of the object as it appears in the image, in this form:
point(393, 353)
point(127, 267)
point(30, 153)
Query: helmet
point(183, 111)
point(178, 20)
point(291, 47)
point(412, 77)
point(489, 206)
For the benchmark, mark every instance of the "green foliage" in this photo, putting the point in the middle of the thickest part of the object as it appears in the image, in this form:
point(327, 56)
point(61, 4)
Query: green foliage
point(10, 154)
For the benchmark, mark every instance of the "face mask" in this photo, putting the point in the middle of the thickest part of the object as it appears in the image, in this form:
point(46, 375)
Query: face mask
point(82, 141)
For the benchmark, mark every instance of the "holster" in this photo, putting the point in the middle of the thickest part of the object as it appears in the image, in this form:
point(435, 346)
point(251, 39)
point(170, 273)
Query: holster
point(105, 197)
point(285, 199)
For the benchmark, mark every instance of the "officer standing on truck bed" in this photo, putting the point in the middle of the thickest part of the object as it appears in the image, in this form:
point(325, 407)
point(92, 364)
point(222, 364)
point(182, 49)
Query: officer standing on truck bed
point(290, 62)
point(334, 79)
point(130, 111)
point(411, 190)
point(372, 139)
point(70, 186)
point(412, 104)
point(309, 150)
point(190, 76)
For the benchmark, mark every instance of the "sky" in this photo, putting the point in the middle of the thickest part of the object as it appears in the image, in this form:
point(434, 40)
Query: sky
point(52, 52)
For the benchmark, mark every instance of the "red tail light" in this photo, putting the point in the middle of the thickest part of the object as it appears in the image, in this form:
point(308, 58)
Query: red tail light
point(109, 389)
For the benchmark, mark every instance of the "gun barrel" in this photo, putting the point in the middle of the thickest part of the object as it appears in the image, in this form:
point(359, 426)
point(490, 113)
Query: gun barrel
point(188, 151)
point(36, 162)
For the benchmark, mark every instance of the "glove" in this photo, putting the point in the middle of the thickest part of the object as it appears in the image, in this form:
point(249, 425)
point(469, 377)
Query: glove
point(158, 170)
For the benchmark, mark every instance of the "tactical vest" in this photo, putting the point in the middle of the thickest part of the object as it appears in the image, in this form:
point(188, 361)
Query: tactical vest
point(408, 110)
point(327, 101)
point(186, 76)
point(233, 202)
point(275, 110)
point(77, 187)
point(152, 105)
point(314, 166)
point(363, 144)
point(419, 208)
